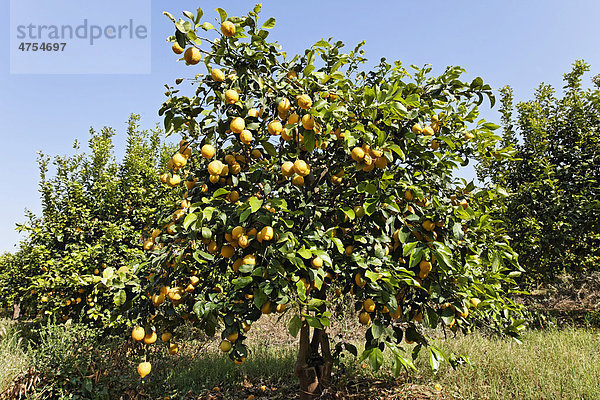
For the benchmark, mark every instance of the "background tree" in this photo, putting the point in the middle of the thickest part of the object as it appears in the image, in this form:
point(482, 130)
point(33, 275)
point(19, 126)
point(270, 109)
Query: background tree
point(553, 213)
point(77, 260)
point(309, 178)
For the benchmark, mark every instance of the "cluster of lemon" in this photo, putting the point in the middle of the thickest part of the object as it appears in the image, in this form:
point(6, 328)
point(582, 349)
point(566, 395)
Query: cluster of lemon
point(367, 158)
point(176, 163)
point(149, 336)
point(192, 55)
point(429, 130)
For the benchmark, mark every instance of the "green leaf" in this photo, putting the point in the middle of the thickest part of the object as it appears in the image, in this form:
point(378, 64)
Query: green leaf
point(301, 290)
point(349, 212)
point(255, 204)
point(183, 26)
point(119, 298)
point(435, 357)
point(396, 149)
point(294, 325)
point(189, 15)
point(338, 244)
point(412, 100)
point(242, 281)
point(477, 82)
point(376, 359)
point(222, 14)
point(370, 206)
point(269, 24)
point(373, 276)
point(305, 253)
point(409, 248)
point(207, 26)
point(309, 140)
point(377, 329)
point(199, 14)
point(443, 254)
point(269, 148)
point(206, 233)
point(415, 257)
point(169, 15)
point(202, 256)
point(220, 192)
point(189, 219)
point(245, 214)
point(207, 213)
point(313, 322)
point(406, 363)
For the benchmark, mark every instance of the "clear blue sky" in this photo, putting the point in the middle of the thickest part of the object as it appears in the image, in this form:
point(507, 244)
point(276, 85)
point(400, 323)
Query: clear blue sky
point(516, 42)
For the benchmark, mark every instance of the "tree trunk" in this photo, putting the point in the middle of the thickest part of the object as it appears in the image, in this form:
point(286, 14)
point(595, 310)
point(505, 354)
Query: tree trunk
point(314, 363)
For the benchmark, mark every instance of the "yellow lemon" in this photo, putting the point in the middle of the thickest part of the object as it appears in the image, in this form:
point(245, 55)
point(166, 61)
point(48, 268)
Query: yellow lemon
point(150, 338)
point(364, 318)
point(237, 232)
point(225, 346)
point(369, 305)
point(174, 180)
point(317, 262)
point(425, 268)
point(283, 106)
point(192, 56)
point(138, 334)
point(304, 102)
point(275, 127)
point(165, 337)
point(267, 233)
point(298, 180)
point(250, 259)
point(246, 137)
point(173, 348)
point(233, 337)
point(144, 369)
point(215, 167)
point(177, 49)
point(231, 96)
point(228, 28)
point(287, 169)
point(237, 125)
point(357, 154)
point(308, 122)
point(428, 131)
point(416, 128)
point(217, 75)
point(301, 168)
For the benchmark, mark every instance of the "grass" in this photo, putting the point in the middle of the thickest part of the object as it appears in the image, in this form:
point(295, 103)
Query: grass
point(12, 358)
point(550, 364)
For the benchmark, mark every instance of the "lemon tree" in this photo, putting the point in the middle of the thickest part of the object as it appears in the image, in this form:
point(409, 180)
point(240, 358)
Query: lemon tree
point(306, 179)
point(553, 213)
point(78, 258)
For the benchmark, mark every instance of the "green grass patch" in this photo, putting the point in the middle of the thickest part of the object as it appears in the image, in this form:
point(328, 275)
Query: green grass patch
point(13, 359)
point(552, 364)
point(77, 363)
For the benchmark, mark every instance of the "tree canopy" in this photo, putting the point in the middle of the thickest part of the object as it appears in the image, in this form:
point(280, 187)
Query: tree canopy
point(553, 213)
point(310, 179)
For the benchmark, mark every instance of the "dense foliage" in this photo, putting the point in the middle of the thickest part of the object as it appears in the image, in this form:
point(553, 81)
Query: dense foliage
point(553, 213)
point(309, 179)
point(79, 253)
